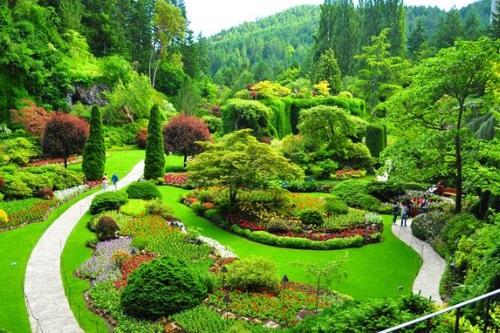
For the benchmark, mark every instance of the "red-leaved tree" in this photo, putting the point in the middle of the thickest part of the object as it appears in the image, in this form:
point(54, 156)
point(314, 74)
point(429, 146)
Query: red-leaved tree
point(64, 135)
point(31, 118)
point(181, 133)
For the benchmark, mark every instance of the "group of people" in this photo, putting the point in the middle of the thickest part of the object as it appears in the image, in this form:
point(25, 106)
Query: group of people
point(409, 207)
point(105, 181)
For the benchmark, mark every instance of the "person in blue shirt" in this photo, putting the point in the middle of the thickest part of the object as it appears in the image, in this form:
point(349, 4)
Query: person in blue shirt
point(114, 180)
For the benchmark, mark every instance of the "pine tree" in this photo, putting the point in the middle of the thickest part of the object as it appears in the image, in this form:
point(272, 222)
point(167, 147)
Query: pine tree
point(154, 163)
point(327, 69)
point(94, 153)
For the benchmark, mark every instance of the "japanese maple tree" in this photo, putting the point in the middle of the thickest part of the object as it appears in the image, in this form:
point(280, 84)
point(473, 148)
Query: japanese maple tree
point(64, 135)
point(182, 132)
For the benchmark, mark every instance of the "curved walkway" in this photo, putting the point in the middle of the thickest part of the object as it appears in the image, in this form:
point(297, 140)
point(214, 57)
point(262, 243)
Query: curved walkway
point(46, 302)
point(428, 278)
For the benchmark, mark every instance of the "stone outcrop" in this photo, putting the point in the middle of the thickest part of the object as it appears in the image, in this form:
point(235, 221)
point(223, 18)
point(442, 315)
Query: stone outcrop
point(92, 95)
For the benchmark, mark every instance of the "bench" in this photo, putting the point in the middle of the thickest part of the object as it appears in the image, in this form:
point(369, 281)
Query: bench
point(449, 192)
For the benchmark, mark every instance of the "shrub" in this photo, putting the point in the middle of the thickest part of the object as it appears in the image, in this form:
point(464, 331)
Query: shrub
point(143, 190)
point(253, 274)
point(106, 228)
point(157, 207)
point(385, 191)
point(107, 201)
point(134, 207)
point(163, 287)
point(334, 206)
point(428, 226)
point(311, 217)
point(3, 218)
point(375, 139)
point(46, 193)
point(457, 227)
point(140, 242)
point(277, 226)
point(141, 138)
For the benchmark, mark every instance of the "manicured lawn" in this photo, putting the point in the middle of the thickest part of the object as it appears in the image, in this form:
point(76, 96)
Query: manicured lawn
point(374, 271)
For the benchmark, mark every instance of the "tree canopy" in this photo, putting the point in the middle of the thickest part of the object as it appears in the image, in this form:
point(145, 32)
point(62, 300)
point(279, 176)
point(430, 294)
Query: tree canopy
point(239, 161)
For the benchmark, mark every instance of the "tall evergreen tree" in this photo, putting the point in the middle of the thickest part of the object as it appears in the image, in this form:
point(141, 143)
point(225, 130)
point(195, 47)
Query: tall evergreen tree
point(417, 37)
point(450, 29)
point(154, 163)
point(94, 153)
point(328, 70)
point(338, 30)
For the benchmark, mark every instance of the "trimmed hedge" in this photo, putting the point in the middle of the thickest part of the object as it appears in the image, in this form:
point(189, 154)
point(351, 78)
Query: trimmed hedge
point(375, 139)
point(264, 237)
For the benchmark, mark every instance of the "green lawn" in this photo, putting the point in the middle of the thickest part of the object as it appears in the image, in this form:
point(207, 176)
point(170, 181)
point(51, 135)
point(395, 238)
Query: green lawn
point(374, 271)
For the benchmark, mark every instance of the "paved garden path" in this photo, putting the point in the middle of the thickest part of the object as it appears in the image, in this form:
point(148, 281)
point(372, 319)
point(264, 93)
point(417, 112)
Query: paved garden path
point(427, 281)
point(48, 308)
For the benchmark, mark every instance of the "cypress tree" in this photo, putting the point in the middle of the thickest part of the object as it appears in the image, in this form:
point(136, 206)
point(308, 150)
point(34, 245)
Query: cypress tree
point(94, 153)
point(154, 163)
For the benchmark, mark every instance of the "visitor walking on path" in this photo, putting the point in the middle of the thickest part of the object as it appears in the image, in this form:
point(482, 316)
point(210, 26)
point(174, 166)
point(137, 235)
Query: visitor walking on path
point(46, 302)
point(404, 214)
point(114, 180)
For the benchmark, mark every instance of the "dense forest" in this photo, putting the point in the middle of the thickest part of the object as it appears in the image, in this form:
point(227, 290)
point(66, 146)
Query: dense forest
point(315, 92)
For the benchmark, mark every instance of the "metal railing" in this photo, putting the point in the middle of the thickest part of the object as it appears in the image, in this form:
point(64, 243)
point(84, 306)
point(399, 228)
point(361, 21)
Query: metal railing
point(458, 313)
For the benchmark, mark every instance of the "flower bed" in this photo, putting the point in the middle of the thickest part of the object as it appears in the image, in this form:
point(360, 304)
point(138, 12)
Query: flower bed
point(22, 212)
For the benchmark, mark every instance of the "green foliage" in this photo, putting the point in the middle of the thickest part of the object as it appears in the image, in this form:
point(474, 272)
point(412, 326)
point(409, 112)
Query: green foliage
point(176, 287)
point(107, 201)
point(428, 226)
point(201, 319)
point(143, 190)
point(457, 227)
point(157, 207)
point(140, 243)
point(386, 191)
point(334, 206)
point(241, 114)
point(280, 115)
point(106, 228)
point(310, 217)
point(376, 139)
point(277, 226)
point(371, 316)
point(94, 153)
point(134, 207)
point(253, 274)
point(19, 150)
point(327, 69)
point(154, 163)
point(115, 70)
point(239, 160)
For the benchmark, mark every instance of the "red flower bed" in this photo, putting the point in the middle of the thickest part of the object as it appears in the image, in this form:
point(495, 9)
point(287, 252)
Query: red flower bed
point(131, 265)
point(175, 179)
point(242, 223)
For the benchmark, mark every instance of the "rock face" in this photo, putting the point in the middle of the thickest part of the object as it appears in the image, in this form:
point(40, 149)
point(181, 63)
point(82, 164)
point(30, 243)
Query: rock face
point(93, 95)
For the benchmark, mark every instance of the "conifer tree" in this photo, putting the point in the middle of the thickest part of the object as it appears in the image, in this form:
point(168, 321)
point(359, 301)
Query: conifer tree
point(154, 162)
point(94, 153)
point(327, 69)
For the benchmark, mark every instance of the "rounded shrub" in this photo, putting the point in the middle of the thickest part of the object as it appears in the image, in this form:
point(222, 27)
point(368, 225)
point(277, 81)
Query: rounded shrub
point(106, 228)
point(4, 218)
point(140, 243)
point(143, 190)
point(386, 191)
point(277, 226)
point(163, 287)
point(108, 201)
point(311, 217)
point(334, 206)
point(253, 274)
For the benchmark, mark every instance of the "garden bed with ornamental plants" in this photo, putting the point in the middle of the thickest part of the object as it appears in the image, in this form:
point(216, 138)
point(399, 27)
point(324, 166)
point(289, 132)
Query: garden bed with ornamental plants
point(282, 218)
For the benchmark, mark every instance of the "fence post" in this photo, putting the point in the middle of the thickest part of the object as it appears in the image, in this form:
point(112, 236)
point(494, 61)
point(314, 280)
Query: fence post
point(457, 319)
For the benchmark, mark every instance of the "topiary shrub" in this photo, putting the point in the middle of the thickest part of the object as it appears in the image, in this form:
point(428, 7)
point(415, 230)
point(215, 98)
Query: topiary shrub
point(375, 139)
point(334, 206)
point(163, 287)
point(157, 207)
point(107, 201)
point(143, 190)
point(253, 274)
point(311, 217)
point(277, 226)
point(106, 228)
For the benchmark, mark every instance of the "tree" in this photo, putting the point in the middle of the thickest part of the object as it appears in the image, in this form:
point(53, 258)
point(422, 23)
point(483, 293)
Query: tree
point(94, 153)
point(439, 101)
point(328, 70)
point(188, 97)
point(154, 163)
point(381, 75)
point(238, 161)
point(417, 38)
point(450, 29)
point(169, 25)
point(327, 124)
point(238, 114)
point(181, 134)
point(64, 135)
point(32, 118)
